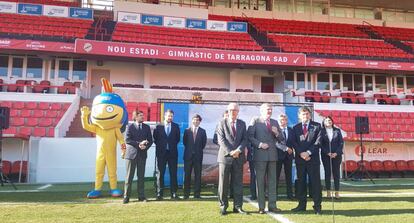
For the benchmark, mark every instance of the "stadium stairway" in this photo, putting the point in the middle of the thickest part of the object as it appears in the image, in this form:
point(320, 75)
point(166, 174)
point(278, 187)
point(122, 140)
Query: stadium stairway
point(75, 129)
point(261, 38)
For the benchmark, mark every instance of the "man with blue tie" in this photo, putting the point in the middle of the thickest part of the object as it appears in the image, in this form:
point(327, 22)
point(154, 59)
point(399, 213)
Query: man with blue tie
point(285, 157)
point(166, 139)
point(306, 142)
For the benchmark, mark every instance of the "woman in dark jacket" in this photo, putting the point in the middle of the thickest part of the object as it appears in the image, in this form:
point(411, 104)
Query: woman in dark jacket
point(332, 145)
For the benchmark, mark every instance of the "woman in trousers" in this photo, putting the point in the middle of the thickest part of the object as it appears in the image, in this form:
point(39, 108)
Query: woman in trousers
point(332, 145)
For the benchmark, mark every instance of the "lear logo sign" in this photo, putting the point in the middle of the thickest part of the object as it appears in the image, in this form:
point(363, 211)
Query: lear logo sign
point(87, 47)
point(5, 42)
point(371, 151)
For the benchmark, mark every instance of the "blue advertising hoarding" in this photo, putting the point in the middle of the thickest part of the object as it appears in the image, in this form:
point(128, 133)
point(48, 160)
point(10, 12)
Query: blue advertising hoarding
point(196, 24)
point(80, 13)
point(154, 20)
point(30, 9)
point(237, 26)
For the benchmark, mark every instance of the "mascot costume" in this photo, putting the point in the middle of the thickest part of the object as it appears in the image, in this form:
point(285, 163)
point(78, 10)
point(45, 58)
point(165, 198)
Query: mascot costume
point(108, 118)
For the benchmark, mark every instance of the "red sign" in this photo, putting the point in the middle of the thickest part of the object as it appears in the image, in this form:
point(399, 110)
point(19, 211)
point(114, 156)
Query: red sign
point(36, 45)
point(187, 54)
point(365, 64)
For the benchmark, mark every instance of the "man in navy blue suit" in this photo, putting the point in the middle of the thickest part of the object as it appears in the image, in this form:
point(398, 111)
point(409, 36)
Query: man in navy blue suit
point(166, 139)
point(307, 137)
point(194, 140)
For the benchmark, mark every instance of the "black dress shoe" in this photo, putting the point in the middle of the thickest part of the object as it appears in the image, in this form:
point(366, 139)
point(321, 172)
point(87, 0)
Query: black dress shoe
point(298, 208)
point(275, 210)
point(253, 198)
point(239, 210)
point(186, 197)
point(142, 199)
point(223, 211)
point(318, 211)
point(126, 200)
point(290, 198)
point(197, 197)
point(160, 198)
point(262, 211)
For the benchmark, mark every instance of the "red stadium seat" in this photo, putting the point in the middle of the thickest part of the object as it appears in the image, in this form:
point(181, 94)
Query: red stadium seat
point(30, 105)
point(350, 166)
point(7, 165)
point(389, 166)
point(39, 132)
point(376, 166)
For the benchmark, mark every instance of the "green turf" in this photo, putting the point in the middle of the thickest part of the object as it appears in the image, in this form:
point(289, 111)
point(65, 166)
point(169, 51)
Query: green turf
point(67, 203)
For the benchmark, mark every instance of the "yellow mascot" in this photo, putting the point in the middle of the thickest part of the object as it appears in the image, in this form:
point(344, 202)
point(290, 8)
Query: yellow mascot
point(108, 118)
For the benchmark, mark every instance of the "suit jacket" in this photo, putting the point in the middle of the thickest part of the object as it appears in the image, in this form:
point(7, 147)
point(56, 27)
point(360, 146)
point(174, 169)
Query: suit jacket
point(310, 141)
point(134, 137)
point(227, 142)
point(259, 133)
point(289, 143)
point(336, 145)
point(194, 149)
point(161, 140)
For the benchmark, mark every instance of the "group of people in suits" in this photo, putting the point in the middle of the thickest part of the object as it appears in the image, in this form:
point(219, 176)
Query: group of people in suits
point(271, 145)
point(166, 137)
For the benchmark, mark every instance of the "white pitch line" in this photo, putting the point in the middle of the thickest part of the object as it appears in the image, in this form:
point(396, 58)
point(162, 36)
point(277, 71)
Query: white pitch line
point(277, 217)
point(377, 194)
point(44, 187)
point(375, 185)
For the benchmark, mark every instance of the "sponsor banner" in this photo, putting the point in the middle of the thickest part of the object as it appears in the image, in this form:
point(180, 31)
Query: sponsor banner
point(30, 9)
point(154, 20)
point(129, 17)
point(187, 54)
point(80, 13)
point(216, 25)
point(174, 22)
point(57, 11)
point(196, 24)
point(367, 64)
point(379, 151)
point(237, 26)
point(8, 7)
point(36, 45)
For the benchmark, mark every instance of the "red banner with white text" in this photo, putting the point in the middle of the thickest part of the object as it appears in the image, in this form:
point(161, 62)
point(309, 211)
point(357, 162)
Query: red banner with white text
point(364, 64)
point(36, 45)
point(187, 54)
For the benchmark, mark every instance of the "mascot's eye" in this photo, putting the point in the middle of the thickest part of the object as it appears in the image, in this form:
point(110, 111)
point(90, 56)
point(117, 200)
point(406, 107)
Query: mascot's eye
point(109, 109)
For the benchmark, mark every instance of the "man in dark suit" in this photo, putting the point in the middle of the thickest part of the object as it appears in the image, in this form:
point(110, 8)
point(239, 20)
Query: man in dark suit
point(194, 140)
point(266, 138)
point(285, 158)
point(250, 152)
point(166, 138)
point(232, 139)
point(138, 141)
point(307, 136)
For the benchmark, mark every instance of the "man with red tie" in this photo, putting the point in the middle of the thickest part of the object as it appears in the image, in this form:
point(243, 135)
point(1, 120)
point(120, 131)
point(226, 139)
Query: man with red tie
point(194, 141)
point(306, 142)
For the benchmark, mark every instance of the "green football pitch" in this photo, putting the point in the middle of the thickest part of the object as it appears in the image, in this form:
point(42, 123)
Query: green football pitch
point(385, 201)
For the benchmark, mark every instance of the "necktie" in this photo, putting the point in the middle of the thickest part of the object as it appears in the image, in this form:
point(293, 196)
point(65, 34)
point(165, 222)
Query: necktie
point(284, 133)
point(194, 134)
point(233, 129)
point(268, 125)
point(139, 127)
point(168, 129)
point(305, 129)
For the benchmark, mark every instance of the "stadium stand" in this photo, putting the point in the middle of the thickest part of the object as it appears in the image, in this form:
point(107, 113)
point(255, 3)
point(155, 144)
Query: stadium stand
point(43, 27)
point(184, 37)
point(34, 118)
point(48, 2)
